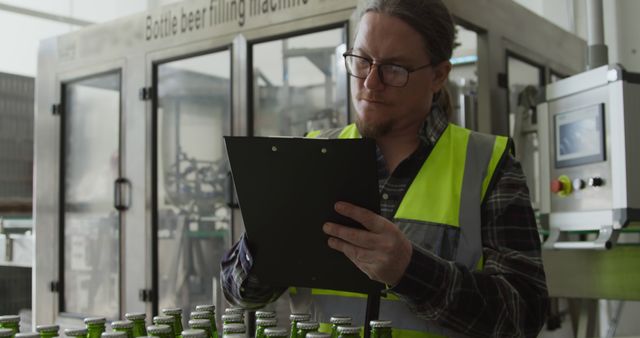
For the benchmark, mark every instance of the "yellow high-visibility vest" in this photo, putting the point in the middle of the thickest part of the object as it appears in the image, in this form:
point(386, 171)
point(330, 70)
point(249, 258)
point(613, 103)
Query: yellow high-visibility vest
point(447, 193)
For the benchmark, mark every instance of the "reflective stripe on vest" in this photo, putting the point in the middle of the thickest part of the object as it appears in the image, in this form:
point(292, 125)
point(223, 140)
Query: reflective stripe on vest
point(458, 170)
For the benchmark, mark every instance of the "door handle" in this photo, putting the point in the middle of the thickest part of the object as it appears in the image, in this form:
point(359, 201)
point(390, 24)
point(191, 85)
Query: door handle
point(121, 194)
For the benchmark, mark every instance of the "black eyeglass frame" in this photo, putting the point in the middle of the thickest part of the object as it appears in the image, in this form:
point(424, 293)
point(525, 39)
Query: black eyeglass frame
point(379, 68)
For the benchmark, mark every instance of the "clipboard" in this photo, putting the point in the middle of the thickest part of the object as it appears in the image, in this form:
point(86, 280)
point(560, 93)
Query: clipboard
point(287, 188)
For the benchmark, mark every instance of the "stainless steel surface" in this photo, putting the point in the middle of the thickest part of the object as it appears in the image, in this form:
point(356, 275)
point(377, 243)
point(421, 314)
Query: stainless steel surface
point(133, 44)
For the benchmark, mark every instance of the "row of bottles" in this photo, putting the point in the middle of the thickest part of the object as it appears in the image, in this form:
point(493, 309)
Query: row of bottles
point(202, 324)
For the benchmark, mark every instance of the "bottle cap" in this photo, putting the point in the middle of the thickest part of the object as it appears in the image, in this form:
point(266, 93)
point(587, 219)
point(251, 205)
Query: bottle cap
point(135, 315)
point(114, 334)
point(78, 331)
point(6, 332)
point(348, 330)
point(234, 311)
point(233, 328)
point(9, 319)
point(47, 328)
point(194, 333)
point(276, 332)
point(265, 314)
point(341, 320)
point(159, 329)
point(266, 322)
point(199, 324)
point(95, 320)
point(206, 307)
point(201, 315)
point(174, 311)
point(299, 317)
point(163, 320)
point(308, 325)
point(232, 318)
point(27, 335)
point(318, 335)
point(122, 324)
point(380, 323)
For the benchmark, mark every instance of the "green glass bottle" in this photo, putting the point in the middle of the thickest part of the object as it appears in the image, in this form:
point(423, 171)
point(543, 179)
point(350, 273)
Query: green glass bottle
point(114, 334)
point(160, 331)
point(125, 326)
point(262, 324)
point(306, 327)
point(348, 332)
point(212, 310)
point(166, 320)
point(80, 332)
point(139, 325)
point(234, 330)
point(176, 313)
point(11, 322)
point(95, 326)
point(27, 335)
point(201, 324)
point(276, 332)
point(380, 329)
point(194, 333)
point(339, 321)
point(206, 315)
point(265, 314)
point(232, 319)
point(48, 331)
point(295, 318)
point(6, 333)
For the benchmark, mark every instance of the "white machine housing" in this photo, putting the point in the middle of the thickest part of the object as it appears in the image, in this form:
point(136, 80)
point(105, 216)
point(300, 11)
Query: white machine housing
point(589, 140)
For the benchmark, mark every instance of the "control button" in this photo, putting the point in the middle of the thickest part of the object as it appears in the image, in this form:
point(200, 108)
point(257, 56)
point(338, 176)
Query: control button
point(596, 181)
point(562, 186)
point(578, 184)
point(556, 186)
point(385, 196)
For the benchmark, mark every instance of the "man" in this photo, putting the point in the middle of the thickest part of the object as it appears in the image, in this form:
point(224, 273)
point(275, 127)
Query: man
point(456, 242)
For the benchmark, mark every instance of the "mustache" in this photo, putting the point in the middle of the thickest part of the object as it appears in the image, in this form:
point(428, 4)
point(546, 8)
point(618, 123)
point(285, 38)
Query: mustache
point(368, 96)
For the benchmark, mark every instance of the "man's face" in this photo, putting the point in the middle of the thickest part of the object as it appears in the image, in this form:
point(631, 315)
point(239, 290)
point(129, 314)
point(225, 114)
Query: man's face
point(383, 109)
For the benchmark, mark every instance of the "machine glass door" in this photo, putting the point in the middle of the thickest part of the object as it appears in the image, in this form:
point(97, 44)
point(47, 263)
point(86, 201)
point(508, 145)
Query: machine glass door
point(192, 217)
point(299, 84)
point(90, 223)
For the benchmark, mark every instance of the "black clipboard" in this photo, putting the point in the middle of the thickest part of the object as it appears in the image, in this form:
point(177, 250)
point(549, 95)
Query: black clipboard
point(286, 189)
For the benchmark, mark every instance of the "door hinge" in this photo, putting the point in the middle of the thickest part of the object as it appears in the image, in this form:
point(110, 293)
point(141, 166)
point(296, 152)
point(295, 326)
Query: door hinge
point(54, 286)
point(56, 109)
point(145, 295)
point(146, 93)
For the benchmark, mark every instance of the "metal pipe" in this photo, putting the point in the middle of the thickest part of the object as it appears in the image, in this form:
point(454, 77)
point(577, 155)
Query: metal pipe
point(597, 53)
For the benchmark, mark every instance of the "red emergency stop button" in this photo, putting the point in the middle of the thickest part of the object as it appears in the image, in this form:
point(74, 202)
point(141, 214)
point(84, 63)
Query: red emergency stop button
point(556, 186)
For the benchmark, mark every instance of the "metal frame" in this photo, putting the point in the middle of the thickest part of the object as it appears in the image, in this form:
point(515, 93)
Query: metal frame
point(155, 60)
point(122, 43)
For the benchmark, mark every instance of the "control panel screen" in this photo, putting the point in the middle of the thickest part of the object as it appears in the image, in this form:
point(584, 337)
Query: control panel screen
point(579, 136)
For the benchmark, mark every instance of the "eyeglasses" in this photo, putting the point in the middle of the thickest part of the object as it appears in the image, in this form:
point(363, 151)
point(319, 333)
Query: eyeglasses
point(390, 74)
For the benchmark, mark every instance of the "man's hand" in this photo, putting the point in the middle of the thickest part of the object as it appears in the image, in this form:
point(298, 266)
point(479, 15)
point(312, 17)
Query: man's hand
point(382, 253)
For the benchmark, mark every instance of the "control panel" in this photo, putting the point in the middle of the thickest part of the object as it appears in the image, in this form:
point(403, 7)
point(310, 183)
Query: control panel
point(589, 155)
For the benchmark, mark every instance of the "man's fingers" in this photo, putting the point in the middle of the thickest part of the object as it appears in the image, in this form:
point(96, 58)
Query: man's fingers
point(357, 255)
point(361, 238)
point(367, 218)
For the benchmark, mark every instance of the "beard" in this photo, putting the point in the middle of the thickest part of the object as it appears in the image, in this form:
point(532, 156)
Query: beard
point(371, 130)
